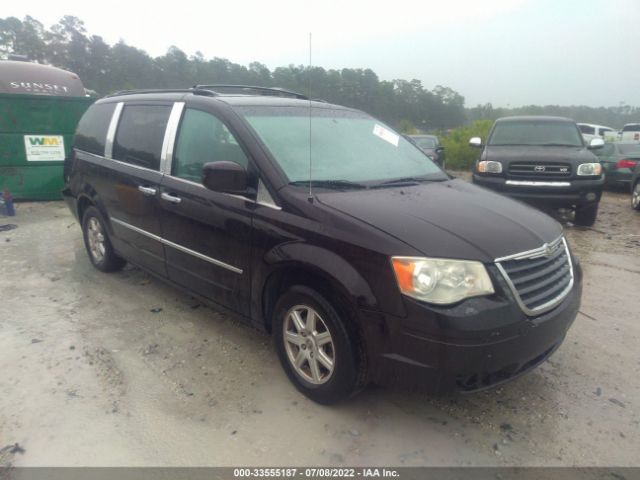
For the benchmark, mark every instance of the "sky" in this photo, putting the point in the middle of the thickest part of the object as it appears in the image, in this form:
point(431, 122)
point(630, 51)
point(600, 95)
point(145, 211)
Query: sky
point(504, 52)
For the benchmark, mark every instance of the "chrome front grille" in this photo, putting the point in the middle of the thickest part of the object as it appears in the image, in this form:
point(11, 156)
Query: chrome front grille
point(540, 169)
point(539, 279)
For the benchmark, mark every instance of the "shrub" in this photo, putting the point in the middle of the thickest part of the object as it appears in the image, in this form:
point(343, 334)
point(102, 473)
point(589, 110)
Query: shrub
point(459, 155)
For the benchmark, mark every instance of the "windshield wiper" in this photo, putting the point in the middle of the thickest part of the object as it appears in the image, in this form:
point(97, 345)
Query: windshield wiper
point(408, 181)
point(331, 184)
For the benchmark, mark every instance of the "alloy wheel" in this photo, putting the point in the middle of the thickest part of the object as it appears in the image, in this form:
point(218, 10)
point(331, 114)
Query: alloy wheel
point(96, 239)
point(309, 344)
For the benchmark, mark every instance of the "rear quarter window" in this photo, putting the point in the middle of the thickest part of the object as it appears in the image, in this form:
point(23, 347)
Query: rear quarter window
point(91, 133)
point(140, 134)
point(589, 130)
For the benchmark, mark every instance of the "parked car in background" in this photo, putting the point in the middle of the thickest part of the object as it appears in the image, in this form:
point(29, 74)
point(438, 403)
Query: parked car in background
point(618, 161)
point(381, 269)
point(591, 131)
point(543, 160)
point(635, 187)
point(631, 131)
point(430, 145)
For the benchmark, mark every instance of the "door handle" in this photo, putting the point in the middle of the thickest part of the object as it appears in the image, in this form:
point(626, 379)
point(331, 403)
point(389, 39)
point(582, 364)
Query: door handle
point(149, 191)
point(170, 198)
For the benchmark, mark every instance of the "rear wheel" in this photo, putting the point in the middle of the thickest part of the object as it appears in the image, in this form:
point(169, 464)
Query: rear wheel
point(97, 243)
point(635, 196)
point(320, 355)
point(586, 216)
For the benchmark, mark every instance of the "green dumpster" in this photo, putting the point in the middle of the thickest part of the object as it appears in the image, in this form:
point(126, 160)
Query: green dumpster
point(40, 107)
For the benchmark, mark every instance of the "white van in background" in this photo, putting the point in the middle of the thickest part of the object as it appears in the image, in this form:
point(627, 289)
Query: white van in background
point(591, 131)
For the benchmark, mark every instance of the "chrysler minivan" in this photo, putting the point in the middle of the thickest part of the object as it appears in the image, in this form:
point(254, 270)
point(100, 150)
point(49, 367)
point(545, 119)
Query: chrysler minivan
point(324, 227)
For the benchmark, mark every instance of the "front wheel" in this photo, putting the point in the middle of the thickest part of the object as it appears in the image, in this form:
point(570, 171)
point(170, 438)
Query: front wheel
point(320, 354)
point(586, 216)
point(635, 197)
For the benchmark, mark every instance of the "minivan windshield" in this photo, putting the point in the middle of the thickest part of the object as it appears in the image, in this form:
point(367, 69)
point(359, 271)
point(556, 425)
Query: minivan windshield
point(536, 132)
point(348, 148)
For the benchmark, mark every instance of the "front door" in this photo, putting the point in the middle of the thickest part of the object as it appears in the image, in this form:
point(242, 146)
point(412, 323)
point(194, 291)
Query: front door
point(207, 234)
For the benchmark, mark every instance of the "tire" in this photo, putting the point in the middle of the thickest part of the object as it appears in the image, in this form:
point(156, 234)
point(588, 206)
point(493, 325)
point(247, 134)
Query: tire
point(635, 197)
point(98, 244)
point(586, 216)
point(343, 347)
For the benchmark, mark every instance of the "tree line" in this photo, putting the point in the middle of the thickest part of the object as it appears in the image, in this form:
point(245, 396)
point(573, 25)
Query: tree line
point(614, 117)
point(405, 104)
point(107, 68)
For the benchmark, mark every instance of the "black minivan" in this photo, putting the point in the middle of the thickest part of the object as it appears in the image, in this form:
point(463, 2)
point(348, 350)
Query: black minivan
point(323, 226)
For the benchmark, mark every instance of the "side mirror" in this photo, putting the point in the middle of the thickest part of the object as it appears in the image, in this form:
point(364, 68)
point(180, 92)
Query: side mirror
point(225, 177)
point(596, 143)
point(475, 142)
point(439, 149)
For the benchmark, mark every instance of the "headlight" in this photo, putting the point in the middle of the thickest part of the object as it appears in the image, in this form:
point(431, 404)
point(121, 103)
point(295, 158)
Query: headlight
point(487, 166)
point(589, 169)
point(441, 281)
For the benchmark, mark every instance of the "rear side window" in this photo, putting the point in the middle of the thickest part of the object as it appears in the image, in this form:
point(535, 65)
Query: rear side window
point(630, 149)
point(631, 128)
point(91, 133)
point(140, 134)
point(589, 130)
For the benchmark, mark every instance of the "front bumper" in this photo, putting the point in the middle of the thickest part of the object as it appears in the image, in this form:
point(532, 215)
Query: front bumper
point(576, 193)
point(474, 345)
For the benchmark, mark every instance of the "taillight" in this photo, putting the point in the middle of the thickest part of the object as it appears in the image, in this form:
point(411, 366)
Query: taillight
point(626, 163)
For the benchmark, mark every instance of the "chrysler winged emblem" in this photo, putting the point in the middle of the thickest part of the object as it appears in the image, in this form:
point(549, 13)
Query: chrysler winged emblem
point(548, 250)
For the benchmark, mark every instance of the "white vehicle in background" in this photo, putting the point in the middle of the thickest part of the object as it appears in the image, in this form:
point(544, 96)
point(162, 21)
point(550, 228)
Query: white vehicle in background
point(591, 131)
point(630, 132)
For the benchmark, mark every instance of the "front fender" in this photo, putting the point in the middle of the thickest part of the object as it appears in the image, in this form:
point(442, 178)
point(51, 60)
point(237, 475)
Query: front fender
point(325, 262)
point(317, 261)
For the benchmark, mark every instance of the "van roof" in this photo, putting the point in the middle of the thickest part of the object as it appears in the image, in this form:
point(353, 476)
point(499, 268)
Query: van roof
point(235, 95)
point(594, 125)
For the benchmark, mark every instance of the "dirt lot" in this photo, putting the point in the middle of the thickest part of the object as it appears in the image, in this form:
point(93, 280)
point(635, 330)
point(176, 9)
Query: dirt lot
point(121, 369)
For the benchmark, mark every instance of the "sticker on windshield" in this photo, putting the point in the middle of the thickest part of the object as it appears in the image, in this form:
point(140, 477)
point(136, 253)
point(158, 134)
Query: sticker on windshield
point(386, 135)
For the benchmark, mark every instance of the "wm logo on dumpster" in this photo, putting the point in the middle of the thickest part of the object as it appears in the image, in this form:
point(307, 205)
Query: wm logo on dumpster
point(44, 141)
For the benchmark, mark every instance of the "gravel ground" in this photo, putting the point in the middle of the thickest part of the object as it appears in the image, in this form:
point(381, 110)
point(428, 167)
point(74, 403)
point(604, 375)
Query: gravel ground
point(121, 369)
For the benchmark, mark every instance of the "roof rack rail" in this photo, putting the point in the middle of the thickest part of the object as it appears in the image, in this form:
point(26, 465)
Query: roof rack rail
point(195, 90)
point(248, 90)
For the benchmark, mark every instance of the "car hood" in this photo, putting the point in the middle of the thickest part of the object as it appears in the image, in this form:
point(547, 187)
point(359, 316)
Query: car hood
point(505, 154)
point(452, 219)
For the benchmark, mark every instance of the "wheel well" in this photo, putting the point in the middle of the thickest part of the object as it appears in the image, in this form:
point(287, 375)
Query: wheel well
point(83, 204)
point(281, 280)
